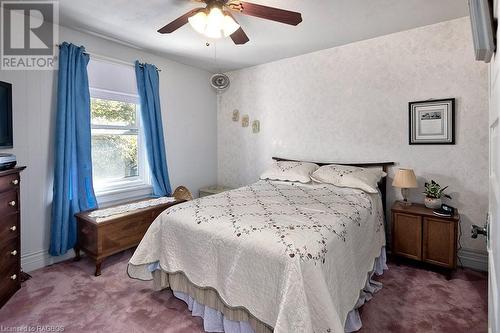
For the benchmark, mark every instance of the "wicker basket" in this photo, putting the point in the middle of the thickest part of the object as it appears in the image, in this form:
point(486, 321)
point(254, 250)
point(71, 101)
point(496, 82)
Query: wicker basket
point(182, 193)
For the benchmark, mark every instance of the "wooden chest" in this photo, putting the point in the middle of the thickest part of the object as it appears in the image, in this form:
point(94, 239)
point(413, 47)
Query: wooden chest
point(10, 236)
point(102, 238)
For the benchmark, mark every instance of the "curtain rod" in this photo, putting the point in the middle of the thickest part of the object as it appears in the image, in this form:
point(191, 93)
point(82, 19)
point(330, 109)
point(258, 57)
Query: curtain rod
point(110, 59)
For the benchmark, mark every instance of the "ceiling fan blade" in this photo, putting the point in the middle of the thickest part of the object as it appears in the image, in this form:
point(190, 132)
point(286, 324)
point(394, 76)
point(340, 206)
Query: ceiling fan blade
point(239, 37)
point(265, 12)
point(179, 22)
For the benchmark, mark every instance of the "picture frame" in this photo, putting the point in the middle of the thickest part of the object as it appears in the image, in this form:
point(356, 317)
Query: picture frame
point(245, 120)
point(255, 126)
point(236, 115)
point(432, 122)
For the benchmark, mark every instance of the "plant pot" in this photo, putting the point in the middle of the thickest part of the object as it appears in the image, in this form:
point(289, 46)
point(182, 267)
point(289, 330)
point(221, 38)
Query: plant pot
point(433, 203)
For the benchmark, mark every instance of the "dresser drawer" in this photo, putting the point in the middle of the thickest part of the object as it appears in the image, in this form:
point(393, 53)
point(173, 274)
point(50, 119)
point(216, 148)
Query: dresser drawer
point(9, 203)
point(9, 255)
point(9, 182)
point(9, 227)
point(9, 284)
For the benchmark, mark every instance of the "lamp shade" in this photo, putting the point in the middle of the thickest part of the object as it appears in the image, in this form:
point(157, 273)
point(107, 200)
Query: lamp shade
point(405, 178)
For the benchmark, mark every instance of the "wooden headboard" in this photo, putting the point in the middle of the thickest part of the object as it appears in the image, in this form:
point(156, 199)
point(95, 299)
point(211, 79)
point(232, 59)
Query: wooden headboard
point(382, 185)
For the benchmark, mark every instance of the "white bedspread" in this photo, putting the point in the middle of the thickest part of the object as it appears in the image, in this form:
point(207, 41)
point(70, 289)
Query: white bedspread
point(296, 256)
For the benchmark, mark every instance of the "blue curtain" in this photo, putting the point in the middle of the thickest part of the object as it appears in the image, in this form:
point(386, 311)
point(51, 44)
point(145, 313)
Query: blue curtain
point(149, 93)
point(73, 188)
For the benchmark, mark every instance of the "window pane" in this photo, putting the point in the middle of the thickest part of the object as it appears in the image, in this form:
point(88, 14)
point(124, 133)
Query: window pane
point(115, 113)
point(114, 156)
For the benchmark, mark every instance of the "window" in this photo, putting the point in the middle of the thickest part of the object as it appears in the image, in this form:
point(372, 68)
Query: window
point(118, 153)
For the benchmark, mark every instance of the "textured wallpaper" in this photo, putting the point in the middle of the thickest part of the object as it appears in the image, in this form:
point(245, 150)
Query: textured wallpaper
point(350, 103)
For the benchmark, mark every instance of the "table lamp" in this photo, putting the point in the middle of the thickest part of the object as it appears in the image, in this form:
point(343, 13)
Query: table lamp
point(405, 179)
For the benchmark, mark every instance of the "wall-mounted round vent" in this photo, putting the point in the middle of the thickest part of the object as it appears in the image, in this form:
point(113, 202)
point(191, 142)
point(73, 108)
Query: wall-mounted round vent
point(220, 82)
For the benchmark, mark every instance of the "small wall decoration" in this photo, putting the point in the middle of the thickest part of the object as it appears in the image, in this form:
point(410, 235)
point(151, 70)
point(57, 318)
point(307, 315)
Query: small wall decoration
point(245, 120)
point(236, 115)
point(432, 122)
point(256, 126)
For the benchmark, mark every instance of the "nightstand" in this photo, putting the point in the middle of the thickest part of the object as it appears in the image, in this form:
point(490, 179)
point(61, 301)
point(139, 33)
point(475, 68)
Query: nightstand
point(419, 234)
point(213, 190)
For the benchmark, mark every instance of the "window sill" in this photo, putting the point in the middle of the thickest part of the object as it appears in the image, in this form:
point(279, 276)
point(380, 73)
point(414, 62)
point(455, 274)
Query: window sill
point(121, 195)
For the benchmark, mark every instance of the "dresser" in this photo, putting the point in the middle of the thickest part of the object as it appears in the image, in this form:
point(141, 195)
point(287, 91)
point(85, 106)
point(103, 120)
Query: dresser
point(10, 239)
point(419, 234)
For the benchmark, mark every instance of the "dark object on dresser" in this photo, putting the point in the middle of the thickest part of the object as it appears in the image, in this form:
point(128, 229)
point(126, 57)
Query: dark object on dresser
point(101, 239)
point(7, 161)
point(10, 239)
point(419, 234)
point(6, 134)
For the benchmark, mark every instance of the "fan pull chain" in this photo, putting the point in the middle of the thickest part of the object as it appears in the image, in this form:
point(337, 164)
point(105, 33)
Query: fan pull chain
point(215, 56)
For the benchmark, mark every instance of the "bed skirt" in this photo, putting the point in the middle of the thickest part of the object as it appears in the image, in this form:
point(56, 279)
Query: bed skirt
point(219, 317)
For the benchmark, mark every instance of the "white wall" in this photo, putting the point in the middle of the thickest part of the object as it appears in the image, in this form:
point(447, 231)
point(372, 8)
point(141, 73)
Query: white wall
point(189, 116)
point(350, 103)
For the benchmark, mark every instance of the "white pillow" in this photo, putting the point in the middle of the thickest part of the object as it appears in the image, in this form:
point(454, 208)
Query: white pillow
point(290, 171)
point(349, 176)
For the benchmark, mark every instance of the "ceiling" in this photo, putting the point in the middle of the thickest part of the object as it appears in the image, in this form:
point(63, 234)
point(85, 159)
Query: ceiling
point(326, 23)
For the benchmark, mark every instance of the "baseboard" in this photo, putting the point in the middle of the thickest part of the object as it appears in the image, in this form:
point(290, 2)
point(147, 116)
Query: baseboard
point(473, 259)
point(39, 259)
point(29, 262)
point(493, 299)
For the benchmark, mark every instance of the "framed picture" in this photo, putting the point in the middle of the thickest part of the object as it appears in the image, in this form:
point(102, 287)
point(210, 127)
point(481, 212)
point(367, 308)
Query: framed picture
point(432, 122)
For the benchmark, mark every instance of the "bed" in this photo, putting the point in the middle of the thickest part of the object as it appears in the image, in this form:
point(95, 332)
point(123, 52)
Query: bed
point(270, 256)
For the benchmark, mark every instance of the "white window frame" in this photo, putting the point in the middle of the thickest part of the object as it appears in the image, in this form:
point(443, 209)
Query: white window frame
point(133, 187)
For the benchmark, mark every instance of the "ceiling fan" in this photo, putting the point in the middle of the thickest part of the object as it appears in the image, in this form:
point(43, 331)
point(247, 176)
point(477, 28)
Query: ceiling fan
point(216, 19)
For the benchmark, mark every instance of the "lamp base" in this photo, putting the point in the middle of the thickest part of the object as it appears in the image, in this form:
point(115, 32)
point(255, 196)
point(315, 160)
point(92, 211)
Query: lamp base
point(405, 203)
point(404, 193)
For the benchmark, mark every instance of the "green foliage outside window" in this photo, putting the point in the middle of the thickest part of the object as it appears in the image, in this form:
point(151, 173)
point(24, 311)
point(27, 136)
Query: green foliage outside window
point(114, 149)
point(112, 112)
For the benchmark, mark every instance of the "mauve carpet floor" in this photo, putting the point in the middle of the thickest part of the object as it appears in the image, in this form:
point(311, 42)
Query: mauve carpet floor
point(68, 295)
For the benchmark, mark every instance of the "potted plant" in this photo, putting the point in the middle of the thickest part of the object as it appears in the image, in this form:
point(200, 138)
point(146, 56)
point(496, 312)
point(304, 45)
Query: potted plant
point(434, 194)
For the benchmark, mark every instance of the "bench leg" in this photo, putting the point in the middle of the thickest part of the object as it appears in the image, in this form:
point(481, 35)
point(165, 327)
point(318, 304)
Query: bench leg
point(449, 274)
point(98, 267)
point(77, 253)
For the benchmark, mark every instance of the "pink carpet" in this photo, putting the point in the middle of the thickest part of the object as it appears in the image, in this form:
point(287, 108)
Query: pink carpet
point(68, 295)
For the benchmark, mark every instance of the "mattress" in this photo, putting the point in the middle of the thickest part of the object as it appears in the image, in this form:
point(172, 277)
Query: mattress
point(294, 256)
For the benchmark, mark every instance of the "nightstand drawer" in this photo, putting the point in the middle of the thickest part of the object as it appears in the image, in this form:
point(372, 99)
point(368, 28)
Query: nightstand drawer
point(439, 242)
point(407, 235)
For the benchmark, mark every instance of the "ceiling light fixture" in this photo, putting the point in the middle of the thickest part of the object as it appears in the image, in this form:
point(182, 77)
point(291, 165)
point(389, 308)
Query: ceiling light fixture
point(216, 24)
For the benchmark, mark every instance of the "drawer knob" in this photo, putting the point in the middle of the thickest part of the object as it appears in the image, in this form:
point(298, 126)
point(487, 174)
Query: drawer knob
point(14, 253)
point(15, 182)
point(13, 228)
point(12, 203)
point(13, 277)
